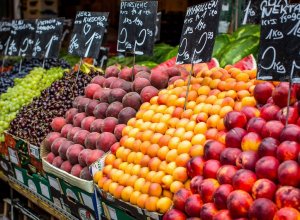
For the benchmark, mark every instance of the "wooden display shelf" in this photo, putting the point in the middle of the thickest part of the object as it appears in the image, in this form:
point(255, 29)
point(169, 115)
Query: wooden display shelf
point(38, 200)
point(3, 177)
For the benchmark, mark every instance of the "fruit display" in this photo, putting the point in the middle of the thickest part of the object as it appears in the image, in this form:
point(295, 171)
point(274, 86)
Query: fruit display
point(226, 155)
point(32, 123)
point(24, 90)
point(7, 77)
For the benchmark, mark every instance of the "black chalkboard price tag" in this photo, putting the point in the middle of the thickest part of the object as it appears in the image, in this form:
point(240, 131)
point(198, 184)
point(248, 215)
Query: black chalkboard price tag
point(137, 27)
point(157, 26)
point(198, 33)
point(273, 61)
point(23, 34)
point(5, 28)
point(47, 37)
point(88, 33)
point(252, 12)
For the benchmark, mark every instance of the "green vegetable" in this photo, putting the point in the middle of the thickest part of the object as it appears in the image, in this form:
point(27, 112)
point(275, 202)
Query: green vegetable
point(149, 64)
point(247, 30)
point(172, 53)
point(220, 42)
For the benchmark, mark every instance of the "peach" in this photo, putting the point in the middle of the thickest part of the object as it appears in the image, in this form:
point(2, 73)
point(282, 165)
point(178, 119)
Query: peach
point(73, 153)
point(208, 211)
point(211, 168)
point(229, 155)
point(150, 204)
point(139, 84)
point(134, 196)
point(225, 174)
point(155, 189)
point(133, 100)
point(255, 124)
point(50, 139)
point(91, 139)
point(247, 160)
point(159, 79)
point(147, 93)
point(118, 130)
point(82, 102)
point(286, 213)
point(90, 89)
point(175, 186)
point(207, 189)
point(78, 118)
point(251, 141)
point(141, 200)
point(116, 95)
point(104, 96)
point(238, 203)
point(66, 166)
point(76, 170)
point(86, 122)
point(222, 215)
point(180, 198)
point(105, 141)
point(173, 79)
point(98, 94)
point(108, 81)
point(263, 188)
point(234, 137)
point(213, 150)
point(290, 133)
point(195, 166)
point(63, 148)
point(195, 183)
point(50, 157)
point(100, 110)
point(143, 74)
point(57, 161)
point(235, 119)
point(266, 167)
point(56, 144)
point(174, 214)
point(126, 73)
point(272, 129)
point(250, 112)
point(289, 173)
point(113, 109)
point(58, 123)
point(269, 112)
point(65, 129)
point(98, 80)
point(280, 95)
point(75, 102)
point(193, 205)
point(80, 136)
point(180, 174)
point(112, 71)
point(126, 114)
point(262, 208)
point(288, 150)
point(96, 125)
point(268, 147)
point(221, 194)
point(287, 196)
point(82, 157)
point(109, 124)
point(93, 156)
point(291, 117)
point(262, 92)
point(244, 180)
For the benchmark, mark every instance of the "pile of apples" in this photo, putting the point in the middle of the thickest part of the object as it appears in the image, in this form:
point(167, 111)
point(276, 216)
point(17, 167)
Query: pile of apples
point(95, 123)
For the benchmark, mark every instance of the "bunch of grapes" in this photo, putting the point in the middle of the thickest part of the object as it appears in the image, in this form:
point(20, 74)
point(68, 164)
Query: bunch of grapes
point(23, 92)
point(32, 123)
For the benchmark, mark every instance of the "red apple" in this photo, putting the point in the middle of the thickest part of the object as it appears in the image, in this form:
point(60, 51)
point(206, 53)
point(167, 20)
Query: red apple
point(263, 91)
point(289, 173)
point(213, 149)
point(262, 208)
point(195, 183)
point(288, 196)
point(195, 166)
point(226, 173)
point(238, 203)
point(211, 168)
point(229, 155)
point(255, 124)
point(234, 137)
point(208, 211)
point(207, 189)
point(174, 214)
point(268, 147)
point(269, 112)
point(235, 119)
point(266, 167)
point(221, 194)
point(193, 205)
point(290, 133)
point(247, 160)
point(272, 129)
point(180, 198)
point(244, 180)
point(264, 188)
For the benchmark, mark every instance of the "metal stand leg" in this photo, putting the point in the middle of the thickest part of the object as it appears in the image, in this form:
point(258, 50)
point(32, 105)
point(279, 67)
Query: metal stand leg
point(12, 204)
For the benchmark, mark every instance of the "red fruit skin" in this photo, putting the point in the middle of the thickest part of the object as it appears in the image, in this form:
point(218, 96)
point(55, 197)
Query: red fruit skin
point(207, 189)
point(105, 141)
point(211, 168)
point(244, 180)
point(98, 80)
point(268, 147)
point(174, 214)
point(57, 161)
point(262, 92)
point(292, 117)
point(213, 150)
point(266, 167)
point(180, 198)
point(193, 205)
point(288, 196)
point(50, 139)
point(272, 129)
point(50, 157)
point(108, 81)
point(66, 166)
point(80, 136)
point(90, 89)
point(289, 173)
point(229, 155)
point(250, 112)
point(208, 211)
point(78, 118)
point(114, 147)
point(288, 150)
point(264, 188)
point(226, 173)
point(255, 124)
point(269, 112)
point(195, 166)
point(159, 79)
point(234, 137)
point(91, 140)
point(238, 203)
point(290, 133)
point(65, 129)
point(112, 71)
point(247, 160)
point(280, 95)
point(100, 110)
point(195, 183)
point(262, 208)
point(58, 123)
point(73, 153)
point(221, 194)
point(148, 92)
point(222, 215)
point(287, 213)
point(235, 119)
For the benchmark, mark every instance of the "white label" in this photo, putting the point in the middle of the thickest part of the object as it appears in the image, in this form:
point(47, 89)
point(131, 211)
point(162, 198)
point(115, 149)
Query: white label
point(87, 200)
point(19, 176)
point(13, 156)
point(45, 190)
point(34, 151)
point(56, 202)
point(139, 210)
point(32, 186)
point(54, 183)
point(112, 213)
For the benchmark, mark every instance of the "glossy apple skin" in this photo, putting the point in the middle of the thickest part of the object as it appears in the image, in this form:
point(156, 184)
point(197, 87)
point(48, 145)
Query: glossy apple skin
point(226, 173)
point(262, 208)
point(266, 167)
point(234, 137)
point(288, 196)
point(263, 91)
point(289, 173)
point(235, 119)
point(269, 112)
point(264, 188)
point(195, 166)
point(213, 149)
point(247, 160)
point(238, 203)
point(243, 180)
point(229, 155)
point(268, 147)
point(221, 194)
point(288, 150)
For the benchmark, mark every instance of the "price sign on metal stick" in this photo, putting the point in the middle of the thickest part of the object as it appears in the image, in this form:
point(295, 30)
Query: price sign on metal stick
point(198, 33)
point(5, 28)
point(252, 12)
point(88, 33)
point(47, 39)
point(137, 27)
